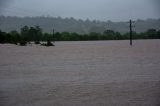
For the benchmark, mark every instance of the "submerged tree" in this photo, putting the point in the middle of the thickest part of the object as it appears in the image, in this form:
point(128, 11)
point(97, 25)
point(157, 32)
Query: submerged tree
point(25, 33)
point(32, 33)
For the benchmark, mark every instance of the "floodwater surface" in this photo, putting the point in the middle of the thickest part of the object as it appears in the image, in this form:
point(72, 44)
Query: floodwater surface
point(86, 73)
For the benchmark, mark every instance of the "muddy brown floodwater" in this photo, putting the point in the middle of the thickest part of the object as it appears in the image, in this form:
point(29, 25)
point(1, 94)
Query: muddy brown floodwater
point(87, 73)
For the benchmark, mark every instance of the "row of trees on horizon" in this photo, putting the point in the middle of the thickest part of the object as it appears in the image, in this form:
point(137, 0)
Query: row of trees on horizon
point(36, 34)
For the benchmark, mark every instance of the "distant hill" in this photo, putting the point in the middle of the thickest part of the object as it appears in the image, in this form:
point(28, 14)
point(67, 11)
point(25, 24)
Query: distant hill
point(72, 25)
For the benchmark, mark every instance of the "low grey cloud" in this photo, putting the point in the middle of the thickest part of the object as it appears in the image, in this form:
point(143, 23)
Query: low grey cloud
point(116, 10)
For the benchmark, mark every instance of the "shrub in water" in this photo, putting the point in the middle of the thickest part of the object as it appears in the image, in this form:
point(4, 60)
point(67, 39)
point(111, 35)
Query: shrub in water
point(37, 42)
point(22, 43)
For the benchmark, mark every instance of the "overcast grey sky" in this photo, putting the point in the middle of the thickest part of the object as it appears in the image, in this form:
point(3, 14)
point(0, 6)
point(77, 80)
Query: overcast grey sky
point(114, 10)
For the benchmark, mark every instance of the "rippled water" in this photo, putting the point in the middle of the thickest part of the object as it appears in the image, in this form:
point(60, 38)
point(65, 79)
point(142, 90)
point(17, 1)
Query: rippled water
point(86, 73)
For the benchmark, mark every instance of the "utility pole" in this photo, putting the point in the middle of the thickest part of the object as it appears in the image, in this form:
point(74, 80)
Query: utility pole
point(53, 36)
point(130, 32)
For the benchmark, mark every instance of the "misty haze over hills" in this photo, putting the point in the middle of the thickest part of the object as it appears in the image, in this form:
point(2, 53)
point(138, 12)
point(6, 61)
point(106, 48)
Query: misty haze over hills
point(73, 25)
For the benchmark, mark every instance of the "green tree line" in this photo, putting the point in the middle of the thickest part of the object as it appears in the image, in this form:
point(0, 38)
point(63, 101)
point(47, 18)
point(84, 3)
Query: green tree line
point(28, 34)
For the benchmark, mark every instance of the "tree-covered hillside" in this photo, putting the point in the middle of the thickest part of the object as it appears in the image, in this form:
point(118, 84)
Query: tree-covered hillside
point(8, 24)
